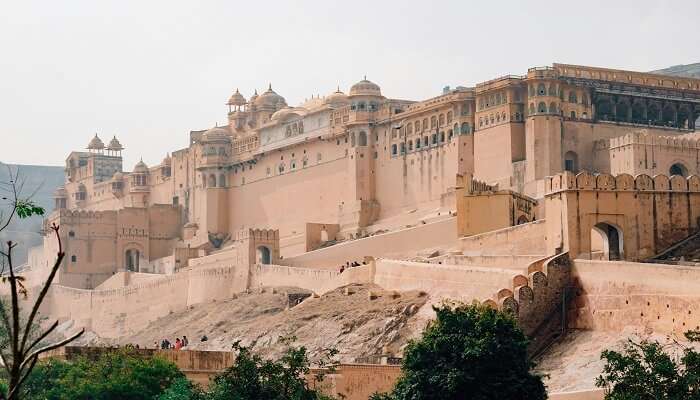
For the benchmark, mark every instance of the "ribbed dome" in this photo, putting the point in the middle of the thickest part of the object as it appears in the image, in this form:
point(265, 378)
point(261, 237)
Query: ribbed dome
point(365, 88)
point(236, 99)
point(216, 134)
point(270, 99)
point(141, 167)
point(60, 192)
point(114, 145)
point(118, 176)
point(336, 97)
point(167, 160)
point(96, 143)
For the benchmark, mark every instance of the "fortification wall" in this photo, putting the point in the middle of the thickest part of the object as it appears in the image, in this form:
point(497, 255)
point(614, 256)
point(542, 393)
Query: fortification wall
point(120, 311)
point(613, 295)
point(392, 244)
point(454, 281)
point(525, 239)
point(489, 260)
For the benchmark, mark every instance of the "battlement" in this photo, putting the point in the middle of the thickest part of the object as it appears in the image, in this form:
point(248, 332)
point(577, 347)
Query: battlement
point(622, 182)
point(63, 216)
point(644, 138)
point(533, 299)
point(256, 234)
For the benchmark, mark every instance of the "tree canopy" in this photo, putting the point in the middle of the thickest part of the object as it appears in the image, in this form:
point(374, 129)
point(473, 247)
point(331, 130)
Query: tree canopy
point(113, 375)
point(468, 352)
point(649, 370)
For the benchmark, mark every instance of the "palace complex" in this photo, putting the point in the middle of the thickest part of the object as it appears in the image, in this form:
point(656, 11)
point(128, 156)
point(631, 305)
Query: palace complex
point(525, 192)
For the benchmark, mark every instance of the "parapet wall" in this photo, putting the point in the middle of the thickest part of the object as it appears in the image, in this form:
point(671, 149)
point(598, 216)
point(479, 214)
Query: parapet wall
point(611, 296)
point(390, 244)
point(525, 239)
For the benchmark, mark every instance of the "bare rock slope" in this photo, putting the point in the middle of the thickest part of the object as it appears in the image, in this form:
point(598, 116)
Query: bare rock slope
point(358, 320)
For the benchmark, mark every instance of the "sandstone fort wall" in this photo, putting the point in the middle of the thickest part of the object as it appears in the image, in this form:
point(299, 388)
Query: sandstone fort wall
point(391, 244)
point(525, 239)
point(613, 295)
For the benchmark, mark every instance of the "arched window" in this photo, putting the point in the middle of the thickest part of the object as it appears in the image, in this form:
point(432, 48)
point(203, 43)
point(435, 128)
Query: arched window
point(517, 116)
point(573, 115)
point(222, 180)
point(678, 169)
point(417, 143)
point(352, 139)
point(442, 136)
point(433, 122)
point(425, 141)
point(465, 128)
point(572, 97)
point(393, 149)
point(503, 116)
point(541, 107)
point(416, 126)
point(363, 138)
point(449, 117)
point(292, 164)
point(571, 162)
point(212, 180)
point(304, 162)
point(530, 90)
point(481, 122)
point(280, 168)
point(498, 117)
point(553, 108)
point(410, 145)
point(409, 128)
point(441, 120)
point(450, 134)
point(552, 89)
point(362, 106)
point(541, 90)
point(402, 146)
point(584, 100)
point(532, 108)
point(425, 124)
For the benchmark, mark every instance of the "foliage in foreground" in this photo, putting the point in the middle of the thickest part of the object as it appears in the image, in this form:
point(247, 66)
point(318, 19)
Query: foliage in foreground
point(468, 352)
point(252, 377)
point(648, 370)
point(114, 375)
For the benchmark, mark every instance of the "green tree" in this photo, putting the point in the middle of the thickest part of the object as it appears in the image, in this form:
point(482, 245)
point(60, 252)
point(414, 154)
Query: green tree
point(468, 352)
point(118, 374)
point(183, 389)
point(649, 370)
point(252, 377)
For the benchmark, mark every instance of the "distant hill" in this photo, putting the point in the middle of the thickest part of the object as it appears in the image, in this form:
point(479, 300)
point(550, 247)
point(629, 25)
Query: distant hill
point(688, 70)
point(41, 181)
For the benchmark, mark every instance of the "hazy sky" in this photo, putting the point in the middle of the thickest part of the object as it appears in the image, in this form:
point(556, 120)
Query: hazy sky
point(151, 71)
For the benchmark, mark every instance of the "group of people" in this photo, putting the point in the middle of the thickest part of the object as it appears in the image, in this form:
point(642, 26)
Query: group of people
point(349, 264)
point(165, 344)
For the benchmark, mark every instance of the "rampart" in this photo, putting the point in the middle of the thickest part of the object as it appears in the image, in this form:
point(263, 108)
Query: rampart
point(613, 295)
point(390, 244)
point(525, 239)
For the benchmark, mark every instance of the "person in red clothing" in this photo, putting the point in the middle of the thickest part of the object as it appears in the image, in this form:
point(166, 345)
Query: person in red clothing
point(178, 344)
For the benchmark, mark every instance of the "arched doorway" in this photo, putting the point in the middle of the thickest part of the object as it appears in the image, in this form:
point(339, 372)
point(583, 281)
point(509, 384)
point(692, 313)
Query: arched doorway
point(522, 220)
point(131, 260)
point(678, 169)
point(606, 242)
point(263, 255)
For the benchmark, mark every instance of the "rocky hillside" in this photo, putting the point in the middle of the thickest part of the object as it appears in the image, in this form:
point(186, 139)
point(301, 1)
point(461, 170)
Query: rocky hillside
point(358, 320)
point(39, 182)
point(689, 70)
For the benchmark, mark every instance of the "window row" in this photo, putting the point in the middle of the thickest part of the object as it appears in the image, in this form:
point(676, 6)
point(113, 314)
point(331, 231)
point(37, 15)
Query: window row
point(294, 128)
point(363, 106)
point(498, 118)
point(424, 142)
